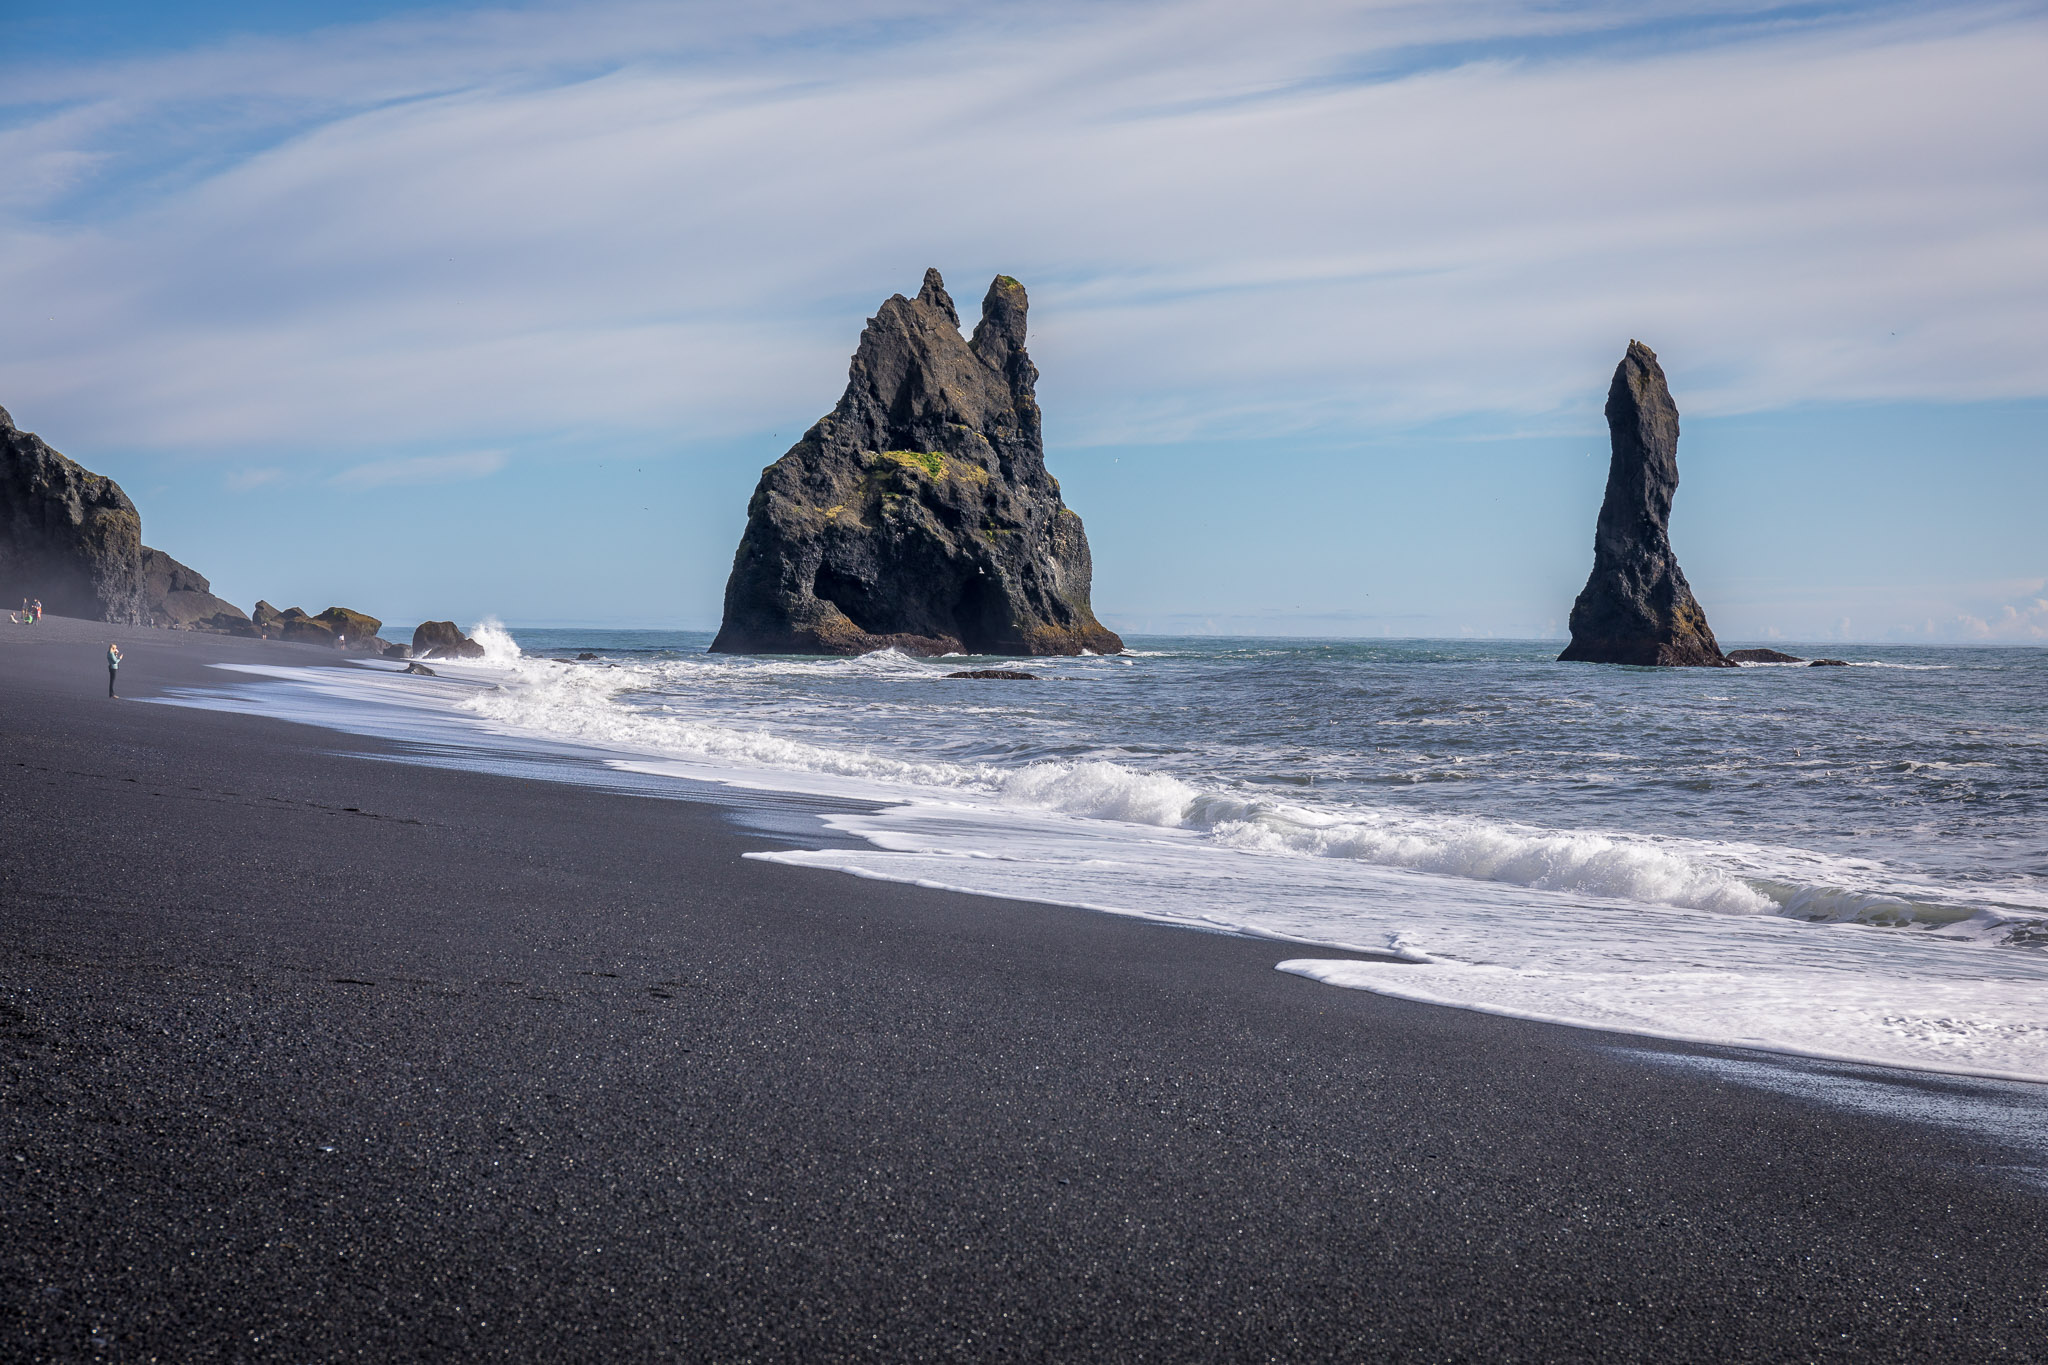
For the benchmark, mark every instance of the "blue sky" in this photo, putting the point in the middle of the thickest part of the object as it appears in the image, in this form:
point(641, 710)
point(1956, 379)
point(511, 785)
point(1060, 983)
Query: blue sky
point(465, 310)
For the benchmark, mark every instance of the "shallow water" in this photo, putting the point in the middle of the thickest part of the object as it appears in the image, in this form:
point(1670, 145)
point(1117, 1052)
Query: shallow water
point(1850, 862)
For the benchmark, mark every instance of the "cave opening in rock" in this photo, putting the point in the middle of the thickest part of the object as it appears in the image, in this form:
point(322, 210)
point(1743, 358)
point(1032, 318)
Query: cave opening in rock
point(850, 595)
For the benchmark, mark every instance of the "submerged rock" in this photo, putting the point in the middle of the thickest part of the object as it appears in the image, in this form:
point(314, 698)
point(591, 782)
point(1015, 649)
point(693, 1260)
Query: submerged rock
point(1003, 674)
point(68, 536)
point(1637, 607)
point(441, 640)
point(1762, 656)
point(1829, 663)
point(918, 514)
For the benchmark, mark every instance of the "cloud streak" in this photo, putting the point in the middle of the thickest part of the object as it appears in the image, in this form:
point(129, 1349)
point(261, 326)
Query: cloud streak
point(636, 219)
point(420, 469)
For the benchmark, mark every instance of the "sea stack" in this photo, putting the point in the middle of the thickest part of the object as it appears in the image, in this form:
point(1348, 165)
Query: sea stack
point(918, 515)
point(1637, 607)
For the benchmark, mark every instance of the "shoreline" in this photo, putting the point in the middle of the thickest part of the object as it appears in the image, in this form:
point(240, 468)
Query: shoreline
point(1790, 996)
point(378, 1059)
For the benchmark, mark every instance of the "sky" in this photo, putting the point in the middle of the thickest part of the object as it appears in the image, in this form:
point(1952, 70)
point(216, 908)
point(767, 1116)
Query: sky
point(462, 310)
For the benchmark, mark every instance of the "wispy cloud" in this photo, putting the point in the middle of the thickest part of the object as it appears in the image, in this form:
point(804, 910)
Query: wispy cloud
point(243, 480)
point(1234, 219)
point(419, 469)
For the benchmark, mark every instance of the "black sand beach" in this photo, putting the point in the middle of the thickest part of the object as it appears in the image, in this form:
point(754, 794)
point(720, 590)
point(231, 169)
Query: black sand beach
point(313, 1057)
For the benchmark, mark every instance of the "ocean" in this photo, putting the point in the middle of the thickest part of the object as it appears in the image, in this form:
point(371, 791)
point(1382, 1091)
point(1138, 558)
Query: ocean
point(1849, 863)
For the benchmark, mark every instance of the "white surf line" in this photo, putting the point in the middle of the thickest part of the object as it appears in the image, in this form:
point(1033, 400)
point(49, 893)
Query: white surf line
point(360, 701)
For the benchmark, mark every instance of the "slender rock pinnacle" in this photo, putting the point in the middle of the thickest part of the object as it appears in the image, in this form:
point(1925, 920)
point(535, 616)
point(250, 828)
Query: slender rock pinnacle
point(1637, 607)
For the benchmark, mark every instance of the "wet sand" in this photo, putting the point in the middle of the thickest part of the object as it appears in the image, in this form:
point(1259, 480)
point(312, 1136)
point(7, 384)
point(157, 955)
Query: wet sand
point(309, 1056)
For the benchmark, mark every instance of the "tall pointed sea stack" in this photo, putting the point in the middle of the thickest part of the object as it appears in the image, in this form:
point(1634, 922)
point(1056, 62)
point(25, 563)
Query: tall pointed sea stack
point(918, 514)
point(1637, 607)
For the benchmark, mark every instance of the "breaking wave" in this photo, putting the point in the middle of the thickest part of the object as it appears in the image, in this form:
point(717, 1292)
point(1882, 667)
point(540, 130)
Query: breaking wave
point(635, 707)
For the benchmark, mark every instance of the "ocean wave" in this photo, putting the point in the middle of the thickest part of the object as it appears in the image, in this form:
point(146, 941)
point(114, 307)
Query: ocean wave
point(583, 704)
point(1584, 863)
point(498, 644)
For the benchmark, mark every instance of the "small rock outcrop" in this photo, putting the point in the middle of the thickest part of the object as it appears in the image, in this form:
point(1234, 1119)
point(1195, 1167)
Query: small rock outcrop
point(67, 535)
point(441, 640)
point(180, 598)
point(1828, 663)
point(337, 627)
point(1637, 607)
point(995, 675)
point(1762, 656)
point(918, 513)
point(352, 629)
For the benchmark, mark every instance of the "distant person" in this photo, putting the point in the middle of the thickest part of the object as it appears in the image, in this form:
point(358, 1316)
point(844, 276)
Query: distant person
point(113, 666)
point(39, 609)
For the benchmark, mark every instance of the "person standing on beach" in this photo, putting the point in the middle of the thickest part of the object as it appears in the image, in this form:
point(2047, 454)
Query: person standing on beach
point(113, 666)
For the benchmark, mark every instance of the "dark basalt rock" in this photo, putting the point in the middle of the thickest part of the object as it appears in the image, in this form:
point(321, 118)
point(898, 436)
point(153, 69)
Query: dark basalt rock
point(1829, 663)
point(919, 514)
point(67, 535)
point(337, 628)
point(353, 630)
point(290, 624)
point(441, 640)
point(181, 599)
point(1762, 656)
point(299, 628)
point(397, 651)
point(420, 669)
point(1004, 674)
point(1637, 607)
point(585, 657)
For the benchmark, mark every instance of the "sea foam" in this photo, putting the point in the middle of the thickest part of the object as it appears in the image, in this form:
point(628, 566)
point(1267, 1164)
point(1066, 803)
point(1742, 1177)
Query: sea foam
point(1707, 939)
point(546, 696)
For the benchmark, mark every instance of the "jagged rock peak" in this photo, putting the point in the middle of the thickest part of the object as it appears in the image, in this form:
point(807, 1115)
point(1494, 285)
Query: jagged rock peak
point(934, 295)
point(918, 513)
point(1637, 607)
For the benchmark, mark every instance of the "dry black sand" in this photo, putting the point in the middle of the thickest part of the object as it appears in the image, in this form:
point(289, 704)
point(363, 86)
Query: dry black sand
point(313, 1057)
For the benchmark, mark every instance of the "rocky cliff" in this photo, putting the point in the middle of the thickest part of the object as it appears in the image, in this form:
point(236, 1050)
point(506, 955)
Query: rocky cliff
point(179, 597)
point(1637, 607)
point(67, 535)
point(918, 513)
point(73, 539)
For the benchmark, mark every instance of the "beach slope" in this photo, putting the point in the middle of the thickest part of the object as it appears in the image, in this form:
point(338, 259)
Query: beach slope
point(307, 1055)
